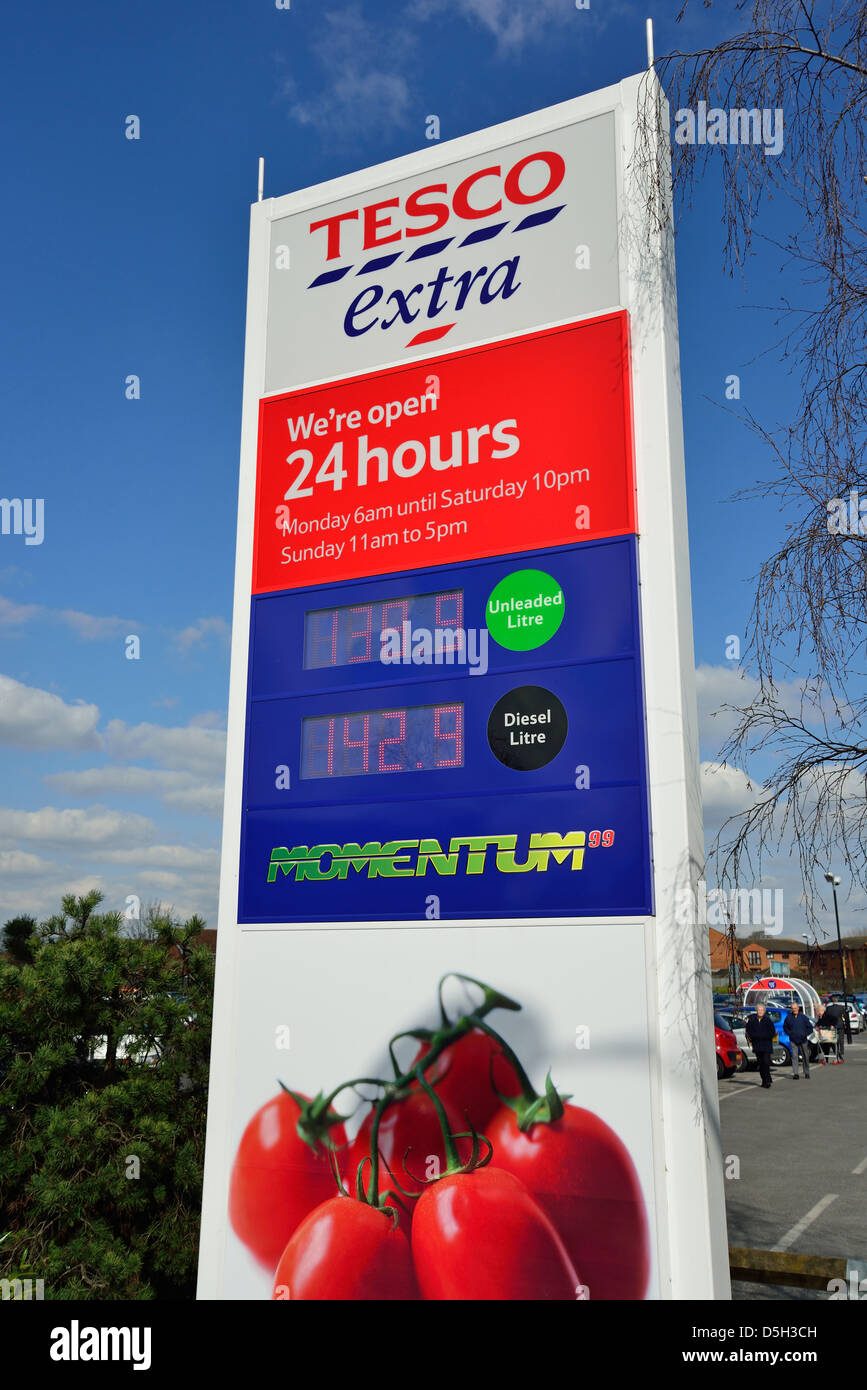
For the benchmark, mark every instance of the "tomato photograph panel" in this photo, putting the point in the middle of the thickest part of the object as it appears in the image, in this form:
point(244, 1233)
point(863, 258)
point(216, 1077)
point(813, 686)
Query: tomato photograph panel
point(486, 1128)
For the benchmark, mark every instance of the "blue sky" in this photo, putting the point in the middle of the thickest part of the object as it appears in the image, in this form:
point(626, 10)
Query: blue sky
point(112, 768)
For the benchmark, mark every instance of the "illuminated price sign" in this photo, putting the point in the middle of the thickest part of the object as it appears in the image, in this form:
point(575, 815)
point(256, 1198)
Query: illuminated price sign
point(353, 634)
point(383, 740)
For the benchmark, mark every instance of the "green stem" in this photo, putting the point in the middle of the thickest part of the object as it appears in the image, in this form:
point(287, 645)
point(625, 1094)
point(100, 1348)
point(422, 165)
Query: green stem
point(530, 1107)
point(528, 1090)
point(449, 1033)
point(453, 1158)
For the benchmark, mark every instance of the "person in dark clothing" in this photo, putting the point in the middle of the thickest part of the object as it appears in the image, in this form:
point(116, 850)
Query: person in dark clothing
point(762, 1035)
point(797, 1028)
point(834, 1016)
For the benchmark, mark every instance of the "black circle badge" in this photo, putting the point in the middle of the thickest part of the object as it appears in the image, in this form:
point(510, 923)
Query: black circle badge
point(527, 728)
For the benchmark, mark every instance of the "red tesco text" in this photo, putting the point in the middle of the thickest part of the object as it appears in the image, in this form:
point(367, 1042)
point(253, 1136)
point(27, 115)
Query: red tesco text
point(480, 194)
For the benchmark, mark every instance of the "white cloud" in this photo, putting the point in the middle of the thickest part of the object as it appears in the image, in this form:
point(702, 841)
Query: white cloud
point(12, 613)
point(726, 685)
point(198, 632)
point(88, 626)
point(18, 861)
point(512, 22)
point(79, 888)
point(209, 719)
point(716, 686)
point(165, 856)
point(189, 749)
point(93, 826)
point(725, 790)
point(37, 888)
point(182, 790)
point(185, 877)
point(93, 629)
point(357, 95)
point(356, 103)
point(161, 880)
point(34, 718)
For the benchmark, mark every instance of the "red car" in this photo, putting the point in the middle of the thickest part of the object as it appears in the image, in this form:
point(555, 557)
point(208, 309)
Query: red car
point(728, 1054)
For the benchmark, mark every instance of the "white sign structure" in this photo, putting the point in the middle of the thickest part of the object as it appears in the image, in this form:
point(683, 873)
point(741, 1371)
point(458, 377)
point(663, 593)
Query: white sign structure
point(520, 229)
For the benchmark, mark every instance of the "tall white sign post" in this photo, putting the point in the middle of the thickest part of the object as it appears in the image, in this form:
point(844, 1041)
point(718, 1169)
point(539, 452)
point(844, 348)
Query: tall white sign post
point(462, 410)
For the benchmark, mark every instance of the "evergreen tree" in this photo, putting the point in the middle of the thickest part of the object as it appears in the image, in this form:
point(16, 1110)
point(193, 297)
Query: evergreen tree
point(104, 1048)
point(16, 938)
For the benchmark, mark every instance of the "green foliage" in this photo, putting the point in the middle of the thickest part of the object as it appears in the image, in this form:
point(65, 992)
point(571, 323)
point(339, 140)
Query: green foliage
point(15, 940)
point(104, 1047)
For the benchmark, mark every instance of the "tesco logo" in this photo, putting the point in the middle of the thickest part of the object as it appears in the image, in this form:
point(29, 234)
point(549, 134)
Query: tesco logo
point(482, 193)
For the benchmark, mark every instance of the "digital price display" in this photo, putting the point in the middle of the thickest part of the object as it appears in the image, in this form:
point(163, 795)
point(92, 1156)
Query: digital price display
point(353, 634)
point(383, 740)
point(528, 791)
point(528, 787)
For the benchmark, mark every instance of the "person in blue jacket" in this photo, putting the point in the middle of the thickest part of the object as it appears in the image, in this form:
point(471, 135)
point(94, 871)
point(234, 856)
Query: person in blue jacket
point(797, 1028)
point(762, 1035)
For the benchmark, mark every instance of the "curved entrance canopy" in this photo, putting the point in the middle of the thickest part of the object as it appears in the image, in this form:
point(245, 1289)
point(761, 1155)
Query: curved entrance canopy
point(772, 989)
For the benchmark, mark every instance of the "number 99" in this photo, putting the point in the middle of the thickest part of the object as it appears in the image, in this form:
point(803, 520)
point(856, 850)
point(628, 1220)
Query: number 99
point(606, 837)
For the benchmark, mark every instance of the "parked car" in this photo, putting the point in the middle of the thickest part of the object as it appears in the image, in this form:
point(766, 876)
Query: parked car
point(736, 1023)
point(728, 1054)
point(856, 1018)
point(129, 1049)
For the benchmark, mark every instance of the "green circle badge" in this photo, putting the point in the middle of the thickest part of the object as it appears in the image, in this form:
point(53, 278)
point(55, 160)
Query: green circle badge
point(525, 610)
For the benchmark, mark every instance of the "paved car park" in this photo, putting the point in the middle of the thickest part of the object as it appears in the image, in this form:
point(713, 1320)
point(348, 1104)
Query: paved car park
point(802, 1164)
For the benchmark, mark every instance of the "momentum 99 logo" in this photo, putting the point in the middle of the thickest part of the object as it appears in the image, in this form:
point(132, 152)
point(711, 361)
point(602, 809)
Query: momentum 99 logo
point(412, 858)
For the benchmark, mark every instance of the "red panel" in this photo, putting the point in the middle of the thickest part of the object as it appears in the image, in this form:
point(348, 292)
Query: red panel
point(520, 445)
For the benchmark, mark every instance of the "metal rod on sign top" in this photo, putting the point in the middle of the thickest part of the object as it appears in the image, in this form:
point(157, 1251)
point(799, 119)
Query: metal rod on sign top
point(648, 30)
point(262, 176)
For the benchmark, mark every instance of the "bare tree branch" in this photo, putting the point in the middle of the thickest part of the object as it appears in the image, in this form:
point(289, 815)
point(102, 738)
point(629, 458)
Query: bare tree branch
point(809, 613)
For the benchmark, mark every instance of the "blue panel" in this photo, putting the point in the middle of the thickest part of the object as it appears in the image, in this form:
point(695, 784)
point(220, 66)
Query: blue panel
point(598, 578)
point(604, 734)
point(591, 665)
point(611, 879)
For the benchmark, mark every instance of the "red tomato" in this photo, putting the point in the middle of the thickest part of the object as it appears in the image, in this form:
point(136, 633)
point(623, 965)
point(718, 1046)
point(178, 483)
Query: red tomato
point(462, 1076)
point(481, 1235)
point(580, 1172)
point(346, 1250)
point(277, 1179)
point(409, 1124)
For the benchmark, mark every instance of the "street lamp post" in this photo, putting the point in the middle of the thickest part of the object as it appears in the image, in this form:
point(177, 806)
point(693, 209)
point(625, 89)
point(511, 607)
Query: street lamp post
point(808, 943)
point(835, 883)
